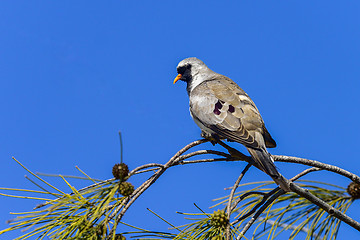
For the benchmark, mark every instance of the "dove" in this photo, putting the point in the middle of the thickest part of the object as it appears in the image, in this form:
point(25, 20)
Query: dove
point(224, 111)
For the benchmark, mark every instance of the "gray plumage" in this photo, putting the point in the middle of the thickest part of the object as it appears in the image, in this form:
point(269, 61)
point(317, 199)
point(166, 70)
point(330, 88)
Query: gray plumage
point(219, 106)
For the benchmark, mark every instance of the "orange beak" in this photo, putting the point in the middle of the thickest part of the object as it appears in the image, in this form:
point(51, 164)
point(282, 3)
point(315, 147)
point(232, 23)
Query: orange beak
point(177, 78)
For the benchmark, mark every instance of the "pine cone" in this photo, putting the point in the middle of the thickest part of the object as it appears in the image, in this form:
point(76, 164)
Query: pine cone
point(219, 219)
point(126, 189)
point(120, 171)
point(354, 190)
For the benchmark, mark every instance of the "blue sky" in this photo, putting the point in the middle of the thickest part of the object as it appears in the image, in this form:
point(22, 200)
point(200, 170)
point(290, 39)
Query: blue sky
point(75, 73)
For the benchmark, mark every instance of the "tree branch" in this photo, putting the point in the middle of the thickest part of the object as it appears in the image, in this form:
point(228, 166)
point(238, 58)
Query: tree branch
point(303, 173)
point(313, 163)
point(235, 155)
point(180, 158)
point(277, 192)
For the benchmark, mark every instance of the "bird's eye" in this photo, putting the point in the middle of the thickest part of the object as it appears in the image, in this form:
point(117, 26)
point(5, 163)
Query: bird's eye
point(181, 70)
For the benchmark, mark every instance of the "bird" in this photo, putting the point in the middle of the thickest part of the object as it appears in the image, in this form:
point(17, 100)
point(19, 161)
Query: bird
point(223, 110)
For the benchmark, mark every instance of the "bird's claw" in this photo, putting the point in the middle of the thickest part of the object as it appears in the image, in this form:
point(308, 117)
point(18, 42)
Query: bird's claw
point(213, 138)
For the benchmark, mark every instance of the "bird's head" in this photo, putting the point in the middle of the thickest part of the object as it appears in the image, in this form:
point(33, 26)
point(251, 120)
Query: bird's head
point(188, 68)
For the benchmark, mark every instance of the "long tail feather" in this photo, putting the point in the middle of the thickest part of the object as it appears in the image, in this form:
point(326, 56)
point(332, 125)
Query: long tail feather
point(266, 164)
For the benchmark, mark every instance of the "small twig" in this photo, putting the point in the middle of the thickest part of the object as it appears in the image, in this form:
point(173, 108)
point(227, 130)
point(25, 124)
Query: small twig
point(228, 207)
point(200, 152)
point(303, 173)
point(149, 165)
point(148, 170)
point(206, 160)
point(177, 163)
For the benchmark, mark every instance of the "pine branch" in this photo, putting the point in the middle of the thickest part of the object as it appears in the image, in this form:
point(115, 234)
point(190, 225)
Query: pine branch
point(117, 210)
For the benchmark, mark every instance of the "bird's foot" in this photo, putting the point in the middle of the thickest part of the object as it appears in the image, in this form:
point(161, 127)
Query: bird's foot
point(213, 138)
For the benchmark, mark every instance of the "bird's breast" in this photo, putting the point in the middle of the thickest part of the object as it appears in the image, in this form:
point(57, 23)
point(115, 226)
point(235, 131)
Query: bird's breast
point(200, 124)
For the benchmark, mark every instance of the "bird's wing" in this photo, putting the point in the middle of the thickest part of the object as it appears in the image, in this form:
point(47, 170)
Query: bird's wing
point(222, 106)
point(269, 141)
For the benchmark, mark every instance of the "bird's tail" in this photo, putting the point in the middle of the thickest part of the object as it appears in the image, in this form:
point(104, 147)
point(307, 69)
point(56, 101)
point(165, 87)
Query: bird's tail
point(265, 163)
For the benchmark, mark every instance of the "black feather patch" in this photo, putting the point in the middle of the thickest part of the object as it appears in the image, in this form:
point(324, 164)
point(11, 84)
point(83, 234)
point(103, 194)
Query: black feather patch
point(231, 108)
point(217, 108)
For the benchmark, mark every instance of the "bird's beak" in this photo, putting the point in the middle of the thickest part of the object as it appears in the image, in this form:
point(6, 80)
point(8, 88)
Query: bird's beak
point(177, 78)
